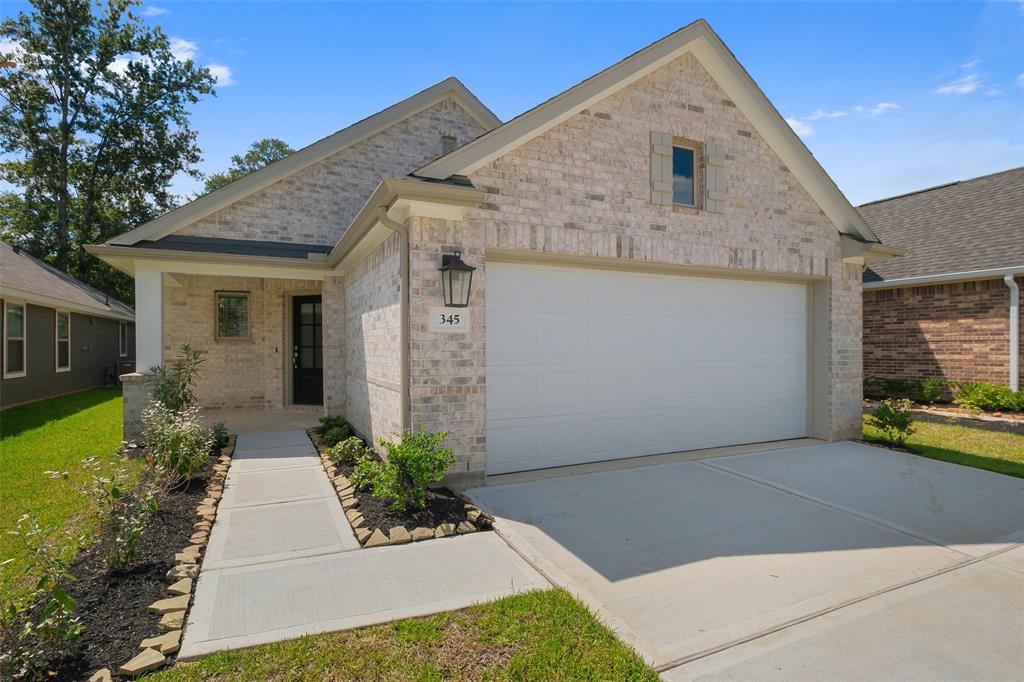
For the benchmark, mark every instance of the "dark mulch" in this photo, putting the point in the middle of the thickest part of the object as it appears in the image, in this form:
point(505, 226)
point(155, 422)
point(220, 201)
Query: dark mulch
point(113, 604)
point(443, 506)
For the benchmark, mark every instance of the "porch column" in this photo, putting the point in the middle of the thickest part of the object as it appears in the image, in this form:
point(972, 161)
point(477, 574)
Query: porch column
point(149, 317)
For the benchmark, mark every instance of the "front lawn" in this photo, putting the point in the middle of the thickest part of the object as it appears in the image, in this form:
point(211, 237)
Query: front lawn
point(55, 434)
point(980, 448)
point(533, 636)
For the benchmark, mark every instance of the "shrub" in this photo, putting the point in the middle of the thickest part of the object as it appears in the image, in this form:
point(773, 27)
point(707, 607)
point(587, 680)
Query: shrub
point(173, 386)
point(931, 390)
point(348, 451)
point(987, 397)
point(365, 473)
point(335, 435)
point(330, 422)
point(177, 441)
point(220, 435)
point(893, 418)
point(413, 463)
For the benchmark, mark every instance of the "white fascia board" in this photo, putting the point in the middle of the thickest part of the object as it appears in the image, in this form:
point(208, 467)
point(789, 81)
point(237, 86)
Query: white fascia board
point(699, 39)
point(853, 250)
point(307, 156)
point(36, 298)
point(125, 259)
point(947, 277)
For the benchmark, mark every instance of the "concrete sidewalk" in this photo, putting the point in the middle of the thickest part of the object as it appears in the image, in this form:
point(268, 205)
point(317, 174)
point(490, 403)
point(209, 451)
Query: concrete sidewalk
point(283, 561)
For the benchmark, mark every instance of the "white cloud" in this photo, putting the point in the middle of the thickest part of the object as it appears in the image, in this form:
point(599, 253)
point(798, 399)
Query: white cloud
point(222, 74)
point(183, 50)
point(799, 127)
point(821, 113)
point(154, 11)
point(878, 109)
point(970, 65)
point(964, 85)
point(11, 49)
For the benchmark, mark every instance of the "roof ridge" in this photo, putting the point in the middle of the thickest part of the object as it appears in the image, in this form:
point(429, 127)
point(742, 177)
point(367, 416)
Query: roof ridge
point(942, 186)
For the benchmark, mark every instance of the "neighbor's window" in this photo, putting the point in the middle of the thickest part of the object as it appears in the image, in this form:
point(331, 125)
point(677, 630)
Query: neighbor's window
point(122, 339)
point(232, 315)
point(683, 185)
point(63, 341)
point(14, 340)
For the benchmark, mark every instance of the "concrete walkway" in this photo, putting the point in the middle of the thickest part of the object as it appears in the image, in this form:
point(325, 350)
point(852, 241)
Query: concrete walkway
point(283, 562)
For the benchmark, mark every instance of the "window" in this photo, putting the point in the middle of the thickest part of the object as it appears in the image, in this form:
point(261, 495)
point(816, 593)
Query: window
point(683, 183)
point(122, 339)
point(14, 340)
point(232, 315)
point(63, 341)
point(448, 143)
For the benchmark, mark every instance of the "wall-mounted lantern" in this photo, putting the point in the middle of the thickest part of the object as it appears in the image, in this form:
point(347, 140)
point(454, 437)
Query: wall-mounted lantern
point(456, 279)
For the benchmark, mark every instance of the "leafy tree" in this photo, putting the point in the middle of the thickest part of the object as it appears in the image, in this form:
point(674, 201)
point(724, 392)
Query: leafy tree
point(260, 154)
point(95, 124)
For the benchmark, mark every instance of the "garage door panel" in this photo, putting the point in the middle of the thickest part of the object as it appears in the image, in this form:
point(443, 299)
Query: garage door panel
point(616, 364)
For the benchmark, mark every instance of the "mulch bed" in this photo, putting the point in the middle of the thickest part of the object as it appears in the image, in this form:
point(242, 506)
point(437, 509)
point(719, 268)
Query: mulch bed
point(113, 605)
point(1007, 422)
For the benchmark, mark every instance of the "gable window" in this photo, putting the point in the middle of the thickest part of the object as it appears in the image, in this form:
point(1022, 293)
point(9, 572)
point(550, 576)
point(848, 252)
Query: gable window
point(63, 341)
point(122, 339)
point(14, 340)
point(232, 315)
point(683, 176)
point(448, 143)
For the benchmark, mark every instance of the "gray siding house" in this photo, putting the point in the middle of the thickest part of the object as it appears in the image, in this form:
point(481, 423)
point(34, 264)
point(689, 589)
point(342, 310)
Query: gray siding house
point(59, 334)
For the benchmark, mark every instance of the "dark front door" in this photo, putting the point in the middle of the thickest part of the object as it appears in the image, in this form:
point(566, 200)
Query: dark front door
point(307, 351)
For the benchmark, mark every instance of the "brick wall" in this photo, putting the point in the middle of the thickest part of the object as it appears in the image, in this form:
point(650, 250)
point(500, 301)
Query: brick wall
point(958, 331)
point(316, 204)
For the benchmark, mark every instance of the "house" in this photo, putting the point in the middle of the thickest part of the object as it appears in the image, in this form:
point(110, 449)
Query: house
point(59, 334)
point(950, 308)
point(660, 265)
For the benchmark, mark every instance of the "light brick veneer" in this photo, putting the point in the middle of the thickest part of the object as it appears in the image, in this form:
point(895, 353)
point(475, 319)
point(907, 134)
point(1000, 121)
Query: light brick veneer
point(958, 331)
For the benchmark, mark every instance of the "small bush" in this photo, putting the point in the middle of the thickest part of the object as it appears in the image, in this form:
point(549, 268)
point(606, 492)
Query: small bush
point(931, 390)
point(365, 473)
point(987, 397)
point(335, 435)
point(177, 441)
point(220, 435)
point(893, 418)
point(413, 463)
point(348, 451)
point(330, 422)
point(173, 386)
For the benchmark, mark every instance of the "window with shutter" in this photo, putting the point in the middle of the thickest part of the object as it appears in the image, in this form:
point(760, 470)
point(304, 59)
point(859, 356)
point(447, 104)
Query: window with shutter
point(661, 168)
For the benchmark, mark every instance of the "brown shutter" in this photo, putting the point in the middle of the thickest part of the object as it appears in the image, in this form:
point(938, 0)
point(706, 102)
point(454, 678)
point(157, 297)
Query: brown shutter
point(714, 177)
point(661, 168)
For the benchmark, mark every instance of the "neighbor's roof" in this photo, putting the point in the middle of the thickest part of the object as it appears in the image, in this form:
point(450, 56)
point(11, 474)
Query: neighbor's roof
point(699, 39)
point(25, 278)
point(968, 225)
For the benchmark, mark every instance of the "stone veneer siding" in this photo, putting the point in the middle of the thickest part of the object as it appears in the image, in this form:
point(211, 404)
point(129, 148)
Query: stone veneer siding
point(958, 331)
point(238, 373)
point(583, 189)
point(316, 204)
point(372, 343)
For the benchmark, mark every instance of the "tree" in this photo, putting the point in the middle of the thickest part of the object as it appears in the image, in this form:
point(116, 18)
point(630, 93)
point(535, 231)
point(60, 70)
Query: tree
point(93, 126)
point(260, 154)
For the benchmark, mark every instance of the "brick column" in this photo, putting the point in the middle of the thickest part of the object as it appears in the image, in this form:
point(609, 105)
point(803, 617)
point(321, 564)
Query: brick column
point(136, 396)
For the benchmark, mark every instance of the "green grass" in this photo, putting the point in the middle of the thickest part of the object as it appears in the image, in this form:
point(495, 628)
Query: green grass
point(533, 636)
point(991, 450)
point(54, 434)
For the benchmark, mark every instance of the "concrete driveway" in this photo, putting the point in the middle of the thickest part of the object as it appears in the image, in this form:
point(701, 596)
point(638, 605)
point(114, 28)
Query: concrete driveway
point(830, 561)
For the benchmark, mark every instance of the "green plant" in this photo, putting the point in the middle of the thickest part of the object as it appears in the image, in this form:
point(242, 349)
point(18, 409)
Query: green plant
point(177, 441)
point(366, 471)
point(30, 638)
point(173, 386)
point(931, 390)
point(894, 419)
point(220, 435)
point(413, 463)
point(987, 397)
point(127, 524)
point(335, 435)
point(348, 451)
point(330, 422)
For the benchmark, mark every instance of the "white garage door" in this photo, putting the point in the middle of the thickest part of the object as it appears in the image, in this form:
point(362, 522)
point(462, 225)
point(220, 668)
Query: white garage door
point(586, 365)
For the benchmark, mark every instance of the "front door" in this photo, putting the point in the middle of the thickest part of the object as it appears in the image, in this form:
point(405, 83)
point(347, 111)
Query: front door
point(307, 351)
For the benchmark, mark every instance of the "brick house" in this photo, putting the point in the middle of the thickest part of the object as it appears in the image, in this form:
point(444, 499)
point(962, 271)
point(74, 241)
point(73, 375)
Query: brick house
point(654, 250)
point(950, 308)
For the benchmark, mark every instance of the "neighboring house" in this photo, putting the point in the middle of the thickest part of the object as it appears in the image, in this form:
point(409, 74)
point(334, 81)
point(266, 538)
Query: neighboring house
point(661, 265)
point(950, 308)
point(59, 335)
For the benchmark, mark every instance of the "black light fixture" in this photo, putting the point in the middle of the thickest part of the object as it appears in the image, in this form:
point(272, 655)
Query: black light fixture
point(456, 279)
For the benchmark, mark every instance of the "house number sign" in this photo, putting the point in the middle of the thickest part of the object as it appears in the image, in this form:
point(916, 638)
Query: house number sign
point(449, 320)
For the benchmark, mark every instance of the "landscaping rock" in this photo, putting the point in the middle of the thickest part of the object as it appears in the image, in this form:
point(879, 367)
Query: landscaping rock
point(473, 514)
point(465, 527)
point(341, 478)
point(349, 503)
point(346, 491)
point(183, 586)
point(179, 603)
point(186, 557)
point(399, 535)
point(149, 659)
point(204, 509)
point(101, 676)
point(167, 643)
point(377, 539)
point(362, 534)
point(354, 517)
point(183, 571)
point(172, 621)
point(422, 533)
point(444, 529)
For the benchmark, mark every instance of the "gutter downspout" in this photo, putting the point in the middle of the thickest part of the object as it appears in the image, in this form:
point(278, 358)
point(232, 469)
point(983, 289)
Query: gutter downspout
point(1014, 331)
point(403, 340)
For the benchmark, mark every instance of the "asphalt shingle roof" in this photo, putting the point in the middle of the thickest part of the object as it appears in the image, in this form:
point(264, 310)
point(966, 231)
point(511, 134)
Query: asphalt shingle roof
point(974, 224)
point(18, 270)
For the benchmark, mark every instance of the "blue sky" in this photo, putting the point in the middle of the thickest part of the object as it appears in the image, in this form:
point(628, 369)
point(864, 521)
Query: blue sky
point(890, 97)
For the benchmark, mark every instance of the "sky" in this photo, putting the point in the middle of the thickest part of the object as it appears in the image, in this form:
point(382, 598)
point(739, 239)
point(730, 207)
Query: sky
point(890, 97)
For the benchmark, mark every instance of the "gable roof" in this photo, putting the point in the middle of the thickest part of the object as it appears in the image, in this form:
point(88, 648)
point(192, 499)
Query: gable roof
point(28, 279)
point(964, 226)
point(708, 48)
point(307, 156)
